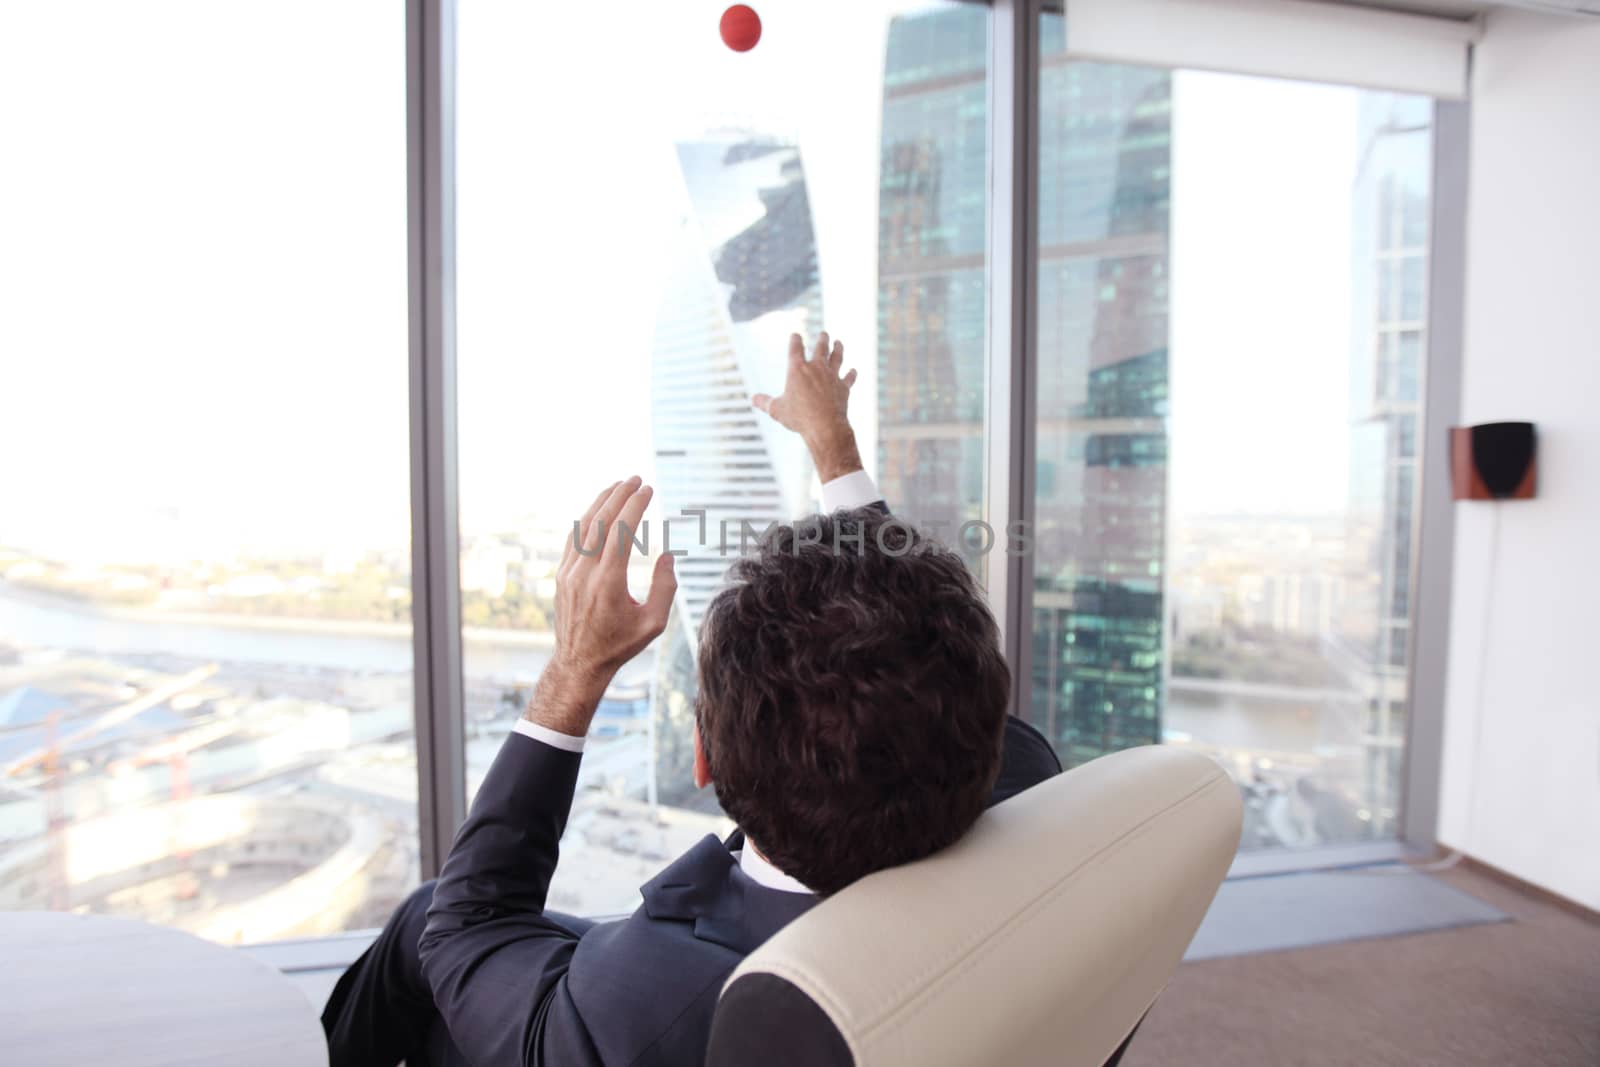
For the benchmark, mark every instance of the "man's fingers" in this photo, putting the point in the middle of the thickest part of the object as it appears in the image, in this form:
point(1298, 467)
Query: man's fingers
point(620, 541)
point(594, 505)
point(820, 353)
point(663, 586)
point(836, 356)
point(797, 350)
point(594, 537)
point(775, 406)
point(850, 379)
point(580, 535)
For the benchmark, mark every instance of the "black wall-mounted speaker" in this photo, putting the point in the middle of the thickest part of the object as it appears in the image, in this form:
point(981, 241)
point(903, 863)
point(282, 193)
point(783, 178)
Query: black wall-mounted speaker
point(1494, 461)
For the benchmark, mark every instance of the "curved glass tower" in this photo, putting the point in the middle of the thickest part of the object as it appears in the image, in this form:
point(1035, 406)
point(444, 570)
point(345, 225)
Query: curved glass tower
point(741, 277)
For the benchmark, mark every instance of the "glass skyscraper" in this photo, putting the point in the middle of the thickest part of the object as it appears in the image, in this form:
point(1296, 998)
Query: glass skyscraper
point(1390, 214)
point(741, 277)
point(1105, 159)
point(932, 193)
point(1105, 181)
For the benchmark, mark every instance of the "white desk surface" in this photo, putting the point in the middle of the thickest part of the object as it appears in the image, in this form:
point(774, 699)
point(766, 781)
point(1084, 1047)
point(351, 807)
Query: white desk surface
point(84, 989)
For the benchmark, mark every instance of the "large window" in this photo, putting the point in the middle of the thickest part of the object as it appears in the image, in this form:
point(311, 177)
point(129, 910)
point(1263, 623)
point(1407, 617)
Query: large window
point(634, 253)
point(1231, 317)
point(205, 641)
point(206, 597)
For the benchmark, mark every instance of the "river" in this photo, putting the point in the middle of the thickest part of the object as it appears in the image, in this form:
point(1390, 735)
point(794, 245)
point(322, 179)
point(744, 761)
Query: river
point(33, 619)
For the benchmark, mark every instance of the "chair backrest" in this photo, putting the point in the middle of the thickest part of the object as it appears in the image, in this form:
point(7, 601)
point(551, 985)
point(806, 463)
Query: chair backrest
point(1041, 937)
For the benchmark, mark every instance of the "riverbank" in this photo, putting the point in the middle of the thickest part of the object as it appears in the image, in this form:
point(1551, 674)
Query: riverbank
point(96, 612)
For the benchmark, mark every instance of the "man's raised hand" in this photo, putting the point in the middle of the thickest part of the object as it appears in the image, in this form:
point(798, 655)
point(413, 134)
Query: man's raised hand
point(599, 625)
point(814, 404)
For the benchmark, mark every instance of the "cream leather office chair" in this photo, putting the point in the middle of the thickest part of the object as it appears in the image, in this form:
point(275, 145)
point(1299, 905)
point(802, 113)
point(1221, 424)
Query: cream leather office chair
point(1041, 937)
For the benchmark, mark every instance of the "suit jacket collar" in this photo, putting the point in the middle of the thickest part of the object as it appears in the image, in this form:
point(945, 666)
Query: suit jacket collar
point(705, 886)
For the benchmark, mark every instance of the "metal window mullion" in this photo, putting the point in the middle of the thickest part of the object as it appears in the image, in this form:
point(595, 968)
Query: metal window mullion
point(1433, 541)
point(1012, 315)
point(435, 590)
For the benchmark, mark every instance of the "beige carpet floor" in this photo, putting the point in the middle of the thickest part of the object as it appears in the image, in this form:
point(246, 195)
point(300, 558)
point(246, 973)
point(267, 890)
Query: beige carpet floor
point(1524, 993)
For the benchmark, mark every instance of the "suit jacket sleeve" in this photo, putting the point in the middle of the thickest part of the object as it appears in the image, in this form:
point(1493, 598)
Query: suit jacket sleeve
point(497, 966)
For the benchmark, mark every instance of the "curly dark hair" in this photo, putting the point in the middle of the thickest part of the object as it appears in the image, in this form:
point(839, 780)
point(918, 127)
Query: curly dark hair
point(852, 696)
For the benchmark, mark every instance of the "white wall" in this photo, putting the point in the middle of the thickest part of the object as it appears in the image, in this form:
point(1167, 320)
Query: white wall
point(1521, 775)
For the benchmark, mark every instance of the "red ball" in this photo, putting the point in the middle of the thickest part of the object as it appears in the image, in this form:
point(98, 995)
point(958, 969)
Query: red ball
point(741, 28)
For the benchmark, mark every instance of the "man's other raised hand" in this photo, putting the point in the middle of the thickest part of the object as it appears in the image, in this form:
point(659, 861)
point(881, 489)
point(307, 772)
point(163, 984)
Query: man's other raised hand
point(814, 404)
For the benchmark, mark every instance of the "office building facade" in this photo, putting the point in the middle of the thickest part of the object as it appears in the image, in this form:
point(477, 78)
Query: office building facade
point(1104, 206)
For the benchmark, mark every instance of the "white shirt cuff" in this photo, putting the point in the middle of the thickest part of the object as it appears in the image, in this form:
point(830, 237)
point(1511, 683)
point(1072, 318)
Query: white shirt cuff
point(853, 490)
point(553, 738)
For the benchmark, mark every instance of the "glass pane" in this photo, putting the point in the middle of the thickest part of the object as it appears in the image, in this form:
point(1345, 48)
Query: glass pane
point(205, 640)
point(1232, 289)
point(630, 271)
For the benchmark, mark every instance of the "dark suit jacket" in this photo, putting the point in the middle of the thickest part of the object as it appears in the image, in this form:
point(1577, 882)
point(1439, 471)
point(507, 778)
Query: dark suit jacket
point(515, 987)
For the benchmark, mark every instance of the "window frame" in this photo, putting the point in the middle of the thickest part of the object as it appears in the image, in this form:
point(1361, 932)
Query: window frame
point(439, 703)
point(1433, 533)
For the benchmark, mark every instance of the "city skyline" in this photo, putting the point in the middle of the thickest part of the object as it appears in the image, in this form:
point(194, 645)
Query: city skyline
point(595, 309)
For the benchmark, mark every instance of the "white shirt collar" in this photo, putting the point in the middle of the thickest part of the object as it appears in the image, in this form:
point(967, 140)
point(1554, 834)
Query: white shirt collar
point(763, 873)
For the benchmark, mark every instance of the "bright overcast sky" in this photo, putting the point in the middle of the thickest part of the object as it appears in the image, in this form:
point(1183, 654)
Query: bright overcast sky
point(203, 261)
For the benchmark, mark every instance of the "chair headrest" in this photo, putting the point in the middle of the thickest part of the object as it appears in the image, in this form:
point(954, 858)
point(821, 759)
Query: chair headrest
point(1042, 936)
